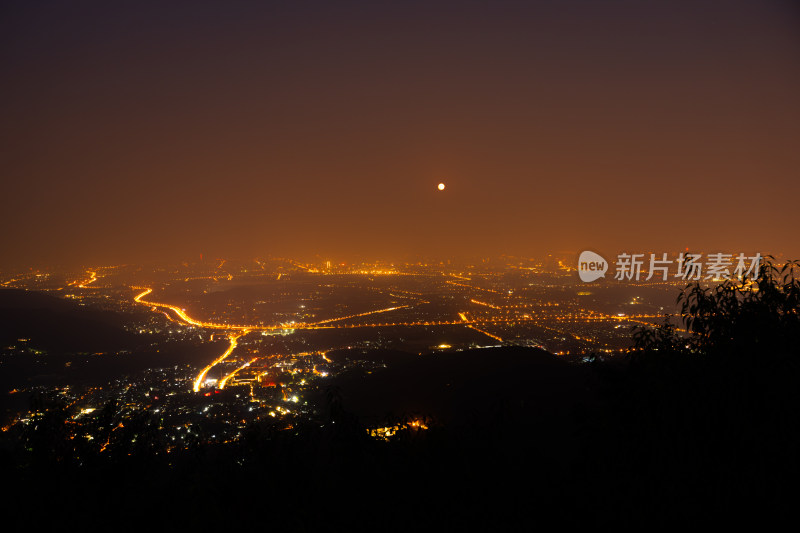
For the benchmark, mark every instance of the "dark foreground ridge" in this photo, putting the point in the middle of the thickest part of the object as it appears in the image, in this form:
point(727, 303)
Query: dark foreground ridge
point(636, 448)
point(464, 387)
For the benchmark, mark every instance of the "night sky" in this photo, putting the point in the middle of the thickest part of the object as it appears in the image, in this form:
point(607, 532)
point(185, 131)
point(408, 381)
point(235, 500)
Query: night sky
point(140, 131)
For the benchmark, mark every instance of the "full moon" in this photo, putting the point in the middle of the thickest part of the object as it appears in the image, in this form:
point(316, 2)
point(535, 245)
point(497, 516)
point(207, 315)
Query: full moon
point(441, 186)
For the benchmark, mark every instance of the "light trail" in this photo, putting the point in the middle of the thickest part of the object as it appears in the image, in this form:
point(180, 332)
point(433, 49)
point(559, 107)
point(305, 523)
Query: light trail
point(214, 325)
point(92, 279)
point(301, 266)
point(460, 322)
point(495, 337)
point(464, 320)
point(183, 316)
point(327, 324)
point(485, 304)
point(229, 376)
point(202, 376)
point(328, 321)
point(108, 441)
point(418, 299)
point(473, 287)
point(82, 284)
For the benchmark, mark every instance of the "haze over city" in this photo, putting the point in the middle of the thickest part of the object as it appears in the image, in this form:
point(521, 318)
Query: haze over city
point(161, 131)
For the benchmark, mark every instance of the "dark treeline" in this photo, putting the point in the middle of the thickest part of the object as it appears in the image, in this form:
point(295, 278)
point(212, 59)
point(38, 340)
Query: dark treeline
point(694, 427)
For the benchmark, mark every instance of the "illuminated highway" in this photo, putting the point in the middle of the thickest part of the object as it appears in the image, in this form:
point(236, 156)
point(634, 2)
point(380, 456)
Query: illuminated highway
point(92, 279)
point(183, 316)
point(309, 326)
point(476, 323)
point(495, 337)
point(202, 376)
point(224, 380)
point(84, 283)
point(327, 324)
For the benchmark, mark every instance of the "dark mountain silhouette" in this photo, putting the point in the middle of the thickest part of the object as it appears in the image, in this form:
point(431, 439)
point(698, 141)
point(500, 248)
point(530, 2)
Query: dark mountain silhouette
point(458, 387)
point(375, 355)
point(66, 343)
point(59, 325)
